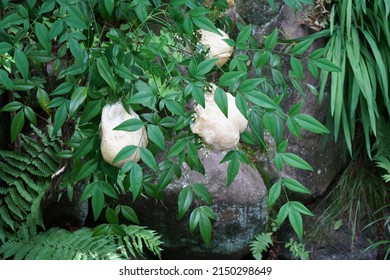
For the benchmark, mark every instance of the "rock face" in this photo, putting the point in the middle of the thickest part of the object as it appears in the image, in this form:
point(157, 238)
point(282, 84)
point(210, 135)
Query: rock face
point(327, 160)
point(241, 211)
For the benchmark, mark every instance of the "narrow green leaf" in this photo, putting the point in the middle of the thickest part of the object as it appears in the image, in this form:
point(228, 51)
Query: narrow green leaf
point(232, 170)
point(43, 36)
point(156, 136)
point(244, 35)
point(250, 84)
point(86, 170)
point(205, 66)
point(111, 216)
point(5, 80)
point(301, 208)
point(326, 65)
point(309, 123)
point(221, 100)
point(91, 110)
point(21, 63)
point(148, 159)
point(109, 4)
point(241, 105)
point(184, 201)
point(30, 114)
point(194, 219)
point(177, 148)
point(204, 23)
point(283, 213)
point(106, 72)
point(97, 203)
point(12, 106)
point(294, 127)
point(303, 46)
point(274, 193)
point(17, 125)
point(5, 47)
point(262, 100)
point(60, 118)
point(124, 72)
point(56, 29)
point(136, 178)
point(295, 161)
point(201, 191)
point(125, 153)
point(205, 228)
point(130, 125)
point(107, 189)
point(89, 191)
point(271, 40)
point(297, 67)
point(77, 99)
point(129, 214)
point(295, 219)
point(295, 186)
point(229, 78)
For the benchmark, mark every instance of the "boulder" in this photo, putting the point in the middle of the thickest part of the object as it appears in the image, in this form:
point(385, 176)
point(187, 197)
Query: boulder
point(241, 211)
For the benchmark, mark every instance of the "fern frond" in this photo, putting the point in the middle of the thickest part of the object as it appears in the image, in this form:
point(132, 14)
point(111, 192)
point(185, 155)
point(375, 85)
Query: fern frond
point(137, 236)
point(13, 207)
point(38, 188)
point(49, 159)
point(260, 245)
point(9, 169)
point(5, 216)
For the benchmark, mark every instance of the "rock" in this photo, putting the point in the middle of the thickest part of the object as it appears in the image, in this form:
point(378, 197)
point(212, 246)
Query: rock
point(258, 12)
point(241, 211)
point(67, 212)
point(331, 240)
point(218, 48)
point(327, 160)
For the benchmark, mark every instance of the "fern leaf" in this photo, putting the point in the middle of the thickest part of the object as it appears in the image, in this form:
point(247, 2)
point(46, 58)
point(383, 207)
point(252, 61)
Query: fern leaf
point(22, 191)
point(16, 161)
point(22, 204)
point(3, 191)
point(38, 188)
point(49, 160)
point(260, 245)
point(36, 210)
point(4, 214)
point(10, 155)
point(13, 207)
point(2, 234)
point(9, 180)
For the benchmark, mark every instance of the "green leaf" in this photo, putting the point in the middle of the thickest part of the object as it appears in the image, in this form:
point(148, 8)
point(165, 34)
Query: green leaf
point(5, 47)
point(309, 123)
point(5, 80)
point(111, 216)
point(60, 118)
point(295, 186)
point(30, 114)
point(271, 40)
point(221, 100)
point(130, 125)
point(229, 78)
point(148, 159)
point(43, 100)
point(12, 19)
point(295, 219)
point(293, 127)
point(89, 191)
point(204, 23)
point(201, 191)
point(91, 110)
point(255, 120)
point(75, 18)
point(12, 106)
point(262, 100)
point(301, 208)
point(184, 201)
point(106, 72)
point(194, 219)
point(274, 193)
point(241, 104)
point(205, 228)
point(326, 65)
point(174, 107)
point(21, 63)
point(76, 51)
point(297, 67)
point(198, 94)
point(125, 153)
point(303, 46)
point(124, 72)
point(295, 161)
point(77, 99)
point(250, 84)
point(243, 36)
point(86, 170)
point(283, 213)
point(136, 178)
point(43, 36)
point(208, 212)
point(156, 136)
point(177, 148)
point(109, 4)
point(232, 170)
point(205, 66)
point(129, 214)
point(17, 125)
point(107, 189)
point(56, 29)
point(188, 25)
point(97, 203)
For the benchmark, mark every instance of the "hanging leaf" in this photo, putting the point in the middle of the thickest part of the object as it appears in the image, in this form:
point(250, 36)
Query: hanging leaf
point(184, 201)
point(21, 63)
point(17, 125)
point(136, 178)
point(232, 170)
point(221, 100)
point(106, 72)
point(156, 136)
